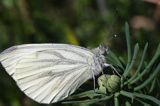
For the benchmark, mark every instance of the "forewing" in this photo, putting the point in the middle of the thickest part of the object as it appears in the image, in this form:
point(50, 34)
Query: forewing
point(48, 73)
point(10, 57)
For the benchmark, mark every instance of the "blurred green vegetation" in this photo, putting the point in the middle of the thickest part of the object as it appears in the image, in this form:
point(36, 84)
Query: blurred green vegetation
point(86, 23)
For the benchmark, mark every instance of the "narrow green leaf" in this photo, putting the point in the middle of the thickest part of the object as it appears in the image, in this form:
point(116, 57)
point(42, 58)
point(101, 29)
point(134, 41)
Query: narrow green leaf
point(121, 60)
point(91, 94)
point(151, 98)
point(152, 76)
point(158, 83)
point(136, 49)
point(143, 96)
point(127, 33)
point(146, 70)
point(112, 57)
point(89, 101)
point(127, 94)
point(140, 65)
point(127, 103)
point(143, 103)
point(152, 85)
point(116, 102)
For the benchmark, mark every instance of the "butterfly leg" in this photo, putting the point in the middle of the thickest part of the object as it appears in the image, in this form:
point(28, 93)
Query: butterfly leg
point(94, 80)
point(109, 65)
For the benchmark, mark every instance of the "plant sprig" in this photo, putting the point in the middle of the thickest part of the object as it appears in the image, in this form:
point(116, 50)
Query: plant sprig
point(137, 87)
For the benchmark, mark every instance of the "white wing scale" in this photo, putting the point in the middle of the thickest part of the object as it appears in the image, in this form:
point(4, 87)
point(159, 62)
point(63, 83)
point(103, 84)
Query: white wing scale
point(48, 73)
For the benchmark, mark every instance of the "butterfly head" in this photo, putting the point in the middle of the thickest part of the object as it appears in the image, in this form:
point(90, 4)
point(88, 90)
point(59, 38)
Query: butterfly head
point(101, 50)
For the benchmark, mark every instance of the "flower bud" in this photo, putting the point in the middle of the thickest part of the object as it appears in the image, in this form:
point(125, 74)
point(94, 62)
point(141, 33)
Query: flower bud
point(108, 83)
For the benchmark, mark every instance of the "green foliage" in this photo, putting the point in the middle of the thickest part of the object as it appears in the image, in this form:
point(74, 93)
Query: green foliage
point(138, 86)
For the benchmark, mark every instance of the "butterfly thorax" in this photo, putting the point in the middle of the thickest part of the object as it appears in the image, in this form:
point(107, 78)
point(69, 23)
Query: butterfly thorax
point(100, 58)
point(99, 52)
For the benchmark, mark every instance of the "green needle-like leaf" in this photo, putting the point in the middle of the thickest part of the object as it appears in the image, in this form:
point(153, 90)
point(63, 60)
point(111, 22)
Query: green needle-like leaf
point(140, 65)
point(127, 94)
point(128, 44)
point(127, 103)
point(152, 85)
point(115, 61)
point(146, 70)
point(121, 60)
point(91, 94)
point(151, 98)
point(126, 72)
point(152, 76)
point(158, 83)
point(89, 101)
point(142, 96)
point(116, 102)
point(143, 103)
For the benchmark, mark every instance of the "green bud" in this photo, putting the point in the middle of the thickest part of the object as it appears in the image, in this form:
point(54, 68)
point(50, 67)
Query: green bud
point(108, 83)
point(113, 83)
point(102, 82)
point(102, 90)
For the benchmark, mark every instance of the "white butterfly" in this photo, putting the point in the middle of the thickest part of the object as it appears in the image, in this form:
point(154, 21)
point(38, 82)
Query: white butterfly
point(49, 73)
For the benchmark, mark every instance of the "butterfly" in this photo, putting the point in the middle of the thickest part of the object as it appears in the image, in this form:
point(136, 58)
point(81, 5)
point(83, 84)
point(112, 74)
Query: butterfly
point(48, 73)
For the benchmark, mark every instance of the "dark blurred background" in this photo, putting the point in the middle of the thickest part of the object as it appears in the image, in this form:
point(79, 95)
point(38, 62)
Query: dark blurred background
point(86, 23)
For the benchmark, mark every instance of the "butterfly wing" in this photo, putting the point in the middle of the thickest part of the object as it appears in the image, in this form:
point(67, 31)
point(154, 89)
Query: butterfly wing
point(48, 73)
